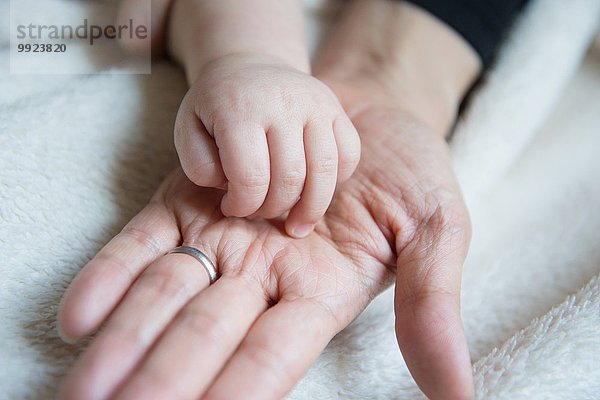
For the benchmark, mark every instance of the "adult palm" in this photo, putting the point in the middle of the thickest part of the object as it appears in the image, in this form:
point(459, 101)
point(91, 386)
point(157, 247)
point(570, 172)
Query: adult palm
point(279, 300)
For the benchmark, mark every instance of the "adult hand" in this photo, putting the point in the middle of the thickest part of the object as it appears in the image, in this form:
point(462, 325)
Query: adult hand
point(279, 300)
point(167, 335)
point(401, 74)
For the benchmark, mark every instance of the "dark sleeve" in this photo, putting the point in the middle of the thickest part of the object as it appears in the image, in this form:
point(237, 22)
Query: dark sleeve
point(482, 23)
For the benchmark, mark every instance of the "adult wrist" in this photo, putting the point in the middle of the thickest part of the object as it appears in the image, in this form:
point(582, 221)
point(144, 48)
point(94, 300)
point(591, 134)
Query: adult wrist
point(404, 56)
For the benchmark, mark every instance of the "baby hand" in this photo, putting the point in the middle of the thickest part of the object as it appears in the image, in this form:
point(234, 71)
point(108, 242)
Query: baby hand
point(277, 139)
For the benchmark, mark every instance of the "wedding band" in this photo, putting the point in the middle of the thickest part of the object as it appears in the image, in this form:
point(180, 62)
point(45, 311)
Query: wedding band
point(201, 257)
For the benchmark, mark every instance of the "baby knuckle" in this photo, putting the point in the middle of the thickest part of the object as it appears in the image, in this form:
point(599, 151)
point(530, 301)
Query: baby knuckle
point(293, 179)
point(254, 182)
point(349, 161)
point(326, 165)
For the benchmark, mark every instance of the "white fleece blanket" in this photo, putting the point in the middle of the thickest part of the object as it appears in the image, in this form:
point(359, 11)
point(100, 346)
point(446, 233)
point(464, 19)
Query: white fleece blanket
point(80, 155)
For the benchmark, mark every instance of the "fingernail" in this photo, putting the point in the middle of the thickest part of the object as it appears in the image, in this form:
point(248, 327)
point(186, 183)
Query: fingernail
point(302, 231)
point(65, 338)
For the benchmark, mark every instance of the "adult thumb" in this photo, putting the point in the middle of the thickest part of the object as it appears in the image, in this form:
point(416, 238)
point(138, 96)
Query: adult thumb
point(427, 305)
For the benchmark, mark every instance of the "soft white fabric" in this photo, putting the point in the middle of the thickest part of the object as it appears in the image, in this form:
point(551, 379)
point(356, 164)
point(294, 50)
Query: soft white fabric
point(79, 155)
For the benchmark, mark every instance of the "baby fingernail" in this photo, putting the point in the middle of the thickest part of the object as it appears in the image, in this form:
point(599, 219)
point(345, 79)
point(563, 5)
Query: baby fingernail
point(302, 231)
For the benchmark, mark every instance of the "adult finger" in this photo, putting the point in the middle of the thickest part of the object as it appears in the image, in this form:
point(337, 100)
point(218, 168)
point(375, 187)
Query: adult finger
point(198, 343)
point(279, 349)
point(101, 284)
point(196, 149)
point(427, 304)
point(245, 160)
point(321, 178)
point(347, 140)
point(288, 170)
point(147, 309)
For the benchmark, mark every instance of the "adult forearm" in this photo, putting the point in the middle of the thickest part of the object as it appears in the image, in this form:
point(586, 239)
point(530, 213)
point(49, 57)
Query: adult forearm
point(204, 30)
point(402, 55)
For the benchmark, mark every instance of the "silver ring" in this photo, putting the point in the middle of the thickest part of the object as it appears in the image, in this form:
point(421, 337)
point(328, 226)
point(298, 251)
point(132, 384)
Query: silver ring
point(201, 257)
